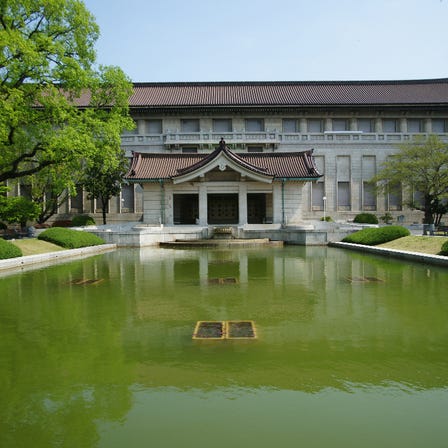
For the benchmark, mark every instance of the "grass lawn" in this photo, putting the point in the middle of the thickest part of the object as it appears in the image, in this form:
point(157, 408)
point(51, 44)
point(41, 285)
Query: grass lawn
point(425, 244)
point(33, 246)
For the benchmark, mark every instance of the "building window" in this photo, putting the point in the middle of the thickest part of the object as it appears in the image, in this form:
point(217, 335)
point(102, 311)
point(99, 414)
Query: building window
point(368, 196)
point(391, 125)
point(255, 149)
point(189, 125)
point(439, 125)
point(315, 125)
point(154, 127)
point(254, 125)
point(76, 201)
point(341, 124)
point(317, 196)
point(344, 202)
point(222, 125)
point(366, 125)
point(290, 125)
point(127, 198)
point(189, 149)
point(415, 125)
point(394, 197)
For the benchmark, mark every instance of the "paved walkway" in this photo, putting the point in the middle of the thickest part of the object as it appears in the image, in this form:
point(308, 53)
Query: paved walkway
point(401, 254)
point(14, 264)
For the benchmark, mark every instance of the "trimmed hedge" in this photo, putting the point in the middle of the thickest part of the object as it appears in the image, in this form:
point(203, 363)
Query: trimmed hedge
point(83, 220)
point(444, 250)
point(365, 218)
point(374, 236)
point(8, 250)
point(69, 238)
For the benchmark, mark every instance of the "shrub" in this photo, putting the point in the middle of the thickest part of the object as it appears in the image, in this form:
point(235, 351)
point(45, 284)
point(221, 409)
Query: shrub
point(374, 236)
point(3, 226)
point(366, 218)
point(444, 250)
point(70, 239)
point(327, 219)
point(8, 250)
point(83, 220)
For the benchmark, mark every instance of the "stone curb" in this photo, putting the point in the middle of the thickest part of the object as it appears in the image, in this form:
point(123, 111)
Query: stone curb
point(394, 253)
point(54, 257)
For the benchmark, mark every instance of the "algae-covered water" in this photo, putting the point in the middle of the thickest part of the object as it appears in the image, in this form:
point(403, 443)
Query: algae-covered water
point(351, 351)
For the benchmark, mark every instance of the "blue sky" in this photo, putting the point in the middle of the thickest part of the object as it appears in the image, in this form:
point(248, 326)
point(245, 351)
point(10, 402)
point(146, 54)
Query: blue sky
point(267, 40)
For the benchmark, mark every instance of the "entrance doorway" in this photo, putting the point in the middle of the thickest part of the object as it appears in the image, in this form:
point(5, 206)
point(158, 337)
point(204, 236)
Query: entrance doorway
point(185, 208)
point(222, 209)
point(259, 208)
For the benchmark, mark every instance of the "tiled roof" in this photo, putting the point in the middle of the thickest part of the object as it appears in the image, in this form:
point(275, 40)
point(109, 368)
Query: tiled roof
point(293, 93)
point(281, 165)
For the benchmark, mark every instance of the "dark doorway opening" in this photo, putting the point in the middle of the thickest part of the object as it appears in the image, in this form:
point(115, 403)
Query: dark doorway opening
point(222, 209)
point(185, 208)
point(256, 208)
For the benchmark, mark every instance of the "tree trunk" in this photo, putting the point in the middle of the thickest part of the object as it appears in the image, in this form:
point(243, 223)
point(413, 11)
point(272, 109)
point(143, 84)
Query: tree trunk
point(105, 203)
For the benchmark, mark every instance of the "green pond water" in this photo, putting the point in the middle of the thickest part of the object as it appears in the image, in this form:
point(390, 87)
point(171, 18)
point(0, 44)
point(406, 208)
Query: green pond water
point(352, 351)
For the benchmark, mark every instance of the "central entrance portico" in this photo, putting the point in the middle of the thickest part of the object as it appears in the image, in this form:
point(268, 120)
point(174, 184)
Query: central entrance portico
point(223, 187)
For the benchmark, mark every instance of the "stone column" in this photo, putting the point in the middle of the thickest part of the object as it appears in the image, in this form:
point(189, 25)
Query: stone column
point(203, 205)
point(242, 203)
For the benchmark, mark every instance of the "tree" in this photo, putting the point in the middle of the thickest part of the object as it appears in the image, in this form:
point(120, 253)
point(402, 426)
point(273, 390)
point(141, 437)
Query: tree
point(102, 182)
point(421, 166)
point(57, 106)
point(18, 210)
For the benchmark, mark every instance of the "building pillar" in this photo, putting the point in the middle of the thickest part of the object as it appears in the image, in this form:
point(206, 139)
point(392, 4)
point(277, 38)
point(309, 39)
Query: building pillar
point(203, 205)
point(242, 203)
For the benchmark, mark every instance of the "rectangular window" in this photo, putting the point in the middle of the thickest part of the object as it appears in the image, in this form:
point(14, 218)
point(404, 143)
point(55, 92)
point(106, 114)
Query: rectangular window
point(366, 125)
point(391, 125)
point(222, 125)
point(415, 125)
point(318, 193)
point(154, 126)
point(254, 149)
point(394, 197)
point(290, 125)
point(344, 202)
point(127, 198)
point(189, 125)
point(368, 196)
point(254, 125)
point(439, 125)
point(76, 202)
point(341, 124)
point(315, 125)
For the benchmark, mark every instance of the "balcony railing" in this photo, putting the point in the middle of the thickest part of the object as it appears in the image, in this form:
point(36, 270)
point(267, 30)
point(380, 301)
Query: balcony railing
point(274, 137)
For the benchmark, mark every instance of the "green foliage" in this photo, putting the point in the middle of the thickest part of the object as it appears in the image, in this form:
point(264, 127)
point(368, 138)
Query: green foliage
point(444, 250)
point(102, 182)
point(420, 166)
point(48, 46)
point(387, 217)
point(70, 239)
point(374, 236)
point(83, 220)
point(327, 219)
point(8, 250)
point(18, 210)
point(365, 218)
point(3, 226)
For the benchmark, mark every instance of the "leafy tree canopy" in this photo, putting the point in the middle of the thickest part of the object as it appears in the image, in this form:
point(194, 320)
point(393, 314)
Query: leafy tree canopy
point(421, 166)
point(47, 71)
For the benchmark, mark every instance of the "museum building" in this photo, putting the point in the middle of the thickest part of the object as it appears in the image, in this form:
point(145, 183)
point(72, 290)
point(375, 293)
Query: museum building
point(269, 152)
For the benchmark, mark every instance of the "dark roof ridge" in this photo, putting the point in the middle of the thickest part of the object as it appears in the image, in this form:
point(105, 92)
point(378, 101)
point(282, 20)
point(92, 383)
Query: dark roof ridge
point(286, 83)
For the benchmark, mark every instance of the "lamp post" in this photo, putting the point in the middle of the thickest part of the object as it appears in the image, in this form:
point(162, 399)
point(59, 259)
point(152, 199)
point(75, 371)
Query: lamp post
point(324, 199)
